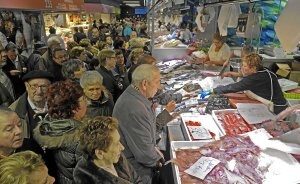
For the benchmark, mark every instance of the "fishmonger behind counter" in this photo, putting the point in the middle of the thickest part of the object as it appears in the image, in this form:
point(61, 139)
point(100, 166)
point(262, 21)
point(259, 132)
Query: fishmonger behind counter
point(218, 51)
point(257, 79)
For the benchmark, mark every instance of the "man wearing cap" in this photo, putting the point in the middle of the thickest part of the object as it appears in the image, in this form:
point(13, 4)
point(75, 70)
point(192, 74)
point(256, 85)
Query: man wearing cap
point(15, 68)
point(31, 106)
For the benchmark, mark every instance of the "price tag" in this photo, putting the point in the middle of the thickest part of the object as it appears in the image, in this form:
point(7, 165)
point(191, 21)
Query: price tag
point(202, 167)
point(199, 132)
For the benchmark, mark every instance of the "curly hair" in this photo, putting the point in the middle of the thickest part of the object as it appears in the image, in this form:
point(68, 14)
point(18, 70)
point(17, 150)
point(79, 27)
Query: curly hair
point(100, 45)
point(18, 167)
point(71, 45)
point(62, 99)
point(75, 52)
point(69, 68)
point(96, 134)
point(135, 54)
point(85, 42)
point(90, 78)
point(254, 61)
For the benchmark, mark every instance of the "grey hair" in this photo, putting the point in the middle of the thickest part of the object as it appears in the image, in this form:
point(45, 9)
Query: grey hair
point(69, 67)
point(5, 112)
point(90, 78)
point(143, 72)
point(53, 41)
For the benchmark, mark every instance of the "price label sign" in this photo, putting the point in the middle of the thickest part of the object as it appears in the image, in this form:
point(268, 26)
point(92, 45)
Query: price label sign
point(202, 167)
point(199, 132)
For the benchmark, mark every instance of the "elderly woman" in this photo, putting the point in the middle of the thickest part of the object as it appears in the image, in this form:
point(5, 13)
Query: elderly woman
point(259, 80)
point(100, 100)
point(59, 131)
point(73, 69)
point(77, 53)
point(24, 167)
point(105, 163)
point(134, 56)
point(11, 134)
point(218, 51)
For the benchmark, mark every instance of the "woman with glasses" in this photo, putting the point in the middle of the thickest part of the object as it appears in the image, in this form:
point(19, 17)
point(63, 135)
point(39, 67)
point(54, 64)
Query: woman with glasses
point(259, 80)
point(58, 131)
point(107, 59)
point(104, 161)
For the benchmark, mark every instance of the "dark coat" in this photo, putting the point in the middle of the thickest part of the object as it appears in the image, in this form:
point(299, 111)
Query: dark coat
point(20, 106)
point(47, 64)
point(79, 36)
point(18, 84)
point(102, 107)
point(262, 84)
point(33, 61)
point(86, 172)
point(61, 136)
point(114, 86)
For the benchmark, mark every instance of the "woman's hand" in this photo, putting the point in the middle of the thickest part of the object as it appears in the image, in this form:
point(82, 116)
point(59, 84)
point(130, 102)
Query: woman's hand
point(227, 74)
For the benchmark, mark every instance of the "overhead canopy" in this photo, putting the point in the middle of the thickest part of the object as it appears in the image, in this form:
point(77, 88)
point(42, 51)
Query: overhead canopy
point(288, 25)
point(54, 5)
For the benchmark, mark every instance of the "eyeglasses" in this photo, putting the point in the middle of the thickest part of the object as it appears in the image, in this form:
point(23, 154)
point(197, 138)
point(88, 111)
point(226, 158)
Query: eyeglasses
point(35, 87)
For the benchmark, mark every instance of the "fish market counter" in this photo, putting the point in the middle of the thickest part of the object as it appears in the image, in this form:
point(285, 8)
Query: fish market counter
point(217, 139)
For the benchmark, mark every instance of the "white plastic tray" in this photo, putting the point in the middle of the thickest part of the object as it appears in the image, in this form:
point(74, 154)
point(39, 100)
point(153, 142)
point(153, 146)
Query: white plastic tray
point(206, 121)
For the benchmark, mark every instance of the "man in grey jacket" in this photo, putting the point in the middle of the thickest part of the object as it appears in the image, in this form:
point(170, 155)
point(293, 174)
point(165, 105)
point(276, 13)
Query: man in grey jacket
point(137, 120)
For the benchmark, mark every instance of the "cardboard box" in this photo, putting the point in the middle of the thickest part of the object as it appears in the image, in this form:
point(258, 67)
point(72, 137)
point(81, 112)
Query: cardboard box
point(295, 73)
point(283, 69)
point(290, 71)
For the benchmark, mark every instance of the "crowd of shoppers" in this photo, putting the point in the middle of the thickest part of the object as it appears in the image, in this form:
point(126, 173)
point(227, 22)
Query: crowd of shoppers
point(69, 111)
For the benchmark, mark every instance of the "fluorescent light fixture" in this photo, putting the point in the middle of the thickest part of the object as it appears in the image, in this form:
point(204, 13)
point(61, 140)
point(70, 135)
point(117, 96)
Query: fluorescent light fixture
point(185, 8)
point(133, 5)
point(131, 2)
point(231, 2)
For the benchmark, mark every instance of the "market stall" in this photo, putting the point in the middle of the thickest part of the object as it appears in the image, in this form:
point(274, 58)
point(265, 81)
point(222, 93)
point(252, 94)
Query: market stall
point(206, 124)
point(230, 138)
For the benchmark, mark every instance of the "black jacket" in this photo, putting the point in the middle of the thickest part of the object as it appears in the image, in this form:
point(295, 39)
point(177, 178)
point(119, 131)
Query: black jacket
point(18, 84)
point(102, 107)
point(33, 61)
point(47, 64)
point(114, 86)
point(262, 83)
point(79, 36)
point(61, 136)
point(86, 172)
